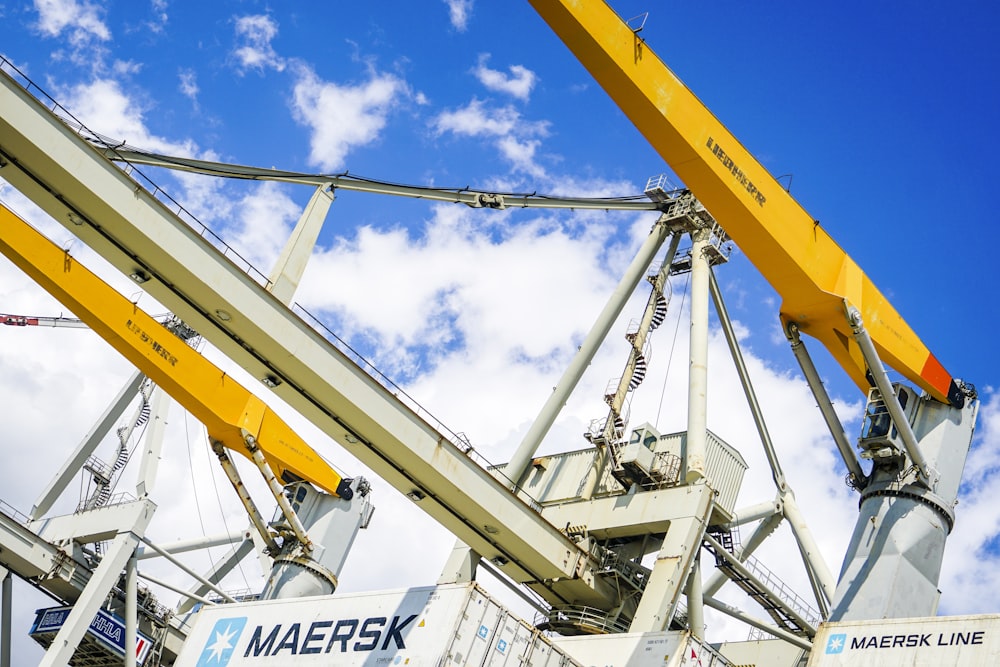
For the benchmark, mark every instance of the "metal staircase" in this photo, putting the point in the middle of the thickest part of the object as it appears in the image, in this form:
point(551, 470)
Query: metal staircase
point(788, 610)
point(610, 431)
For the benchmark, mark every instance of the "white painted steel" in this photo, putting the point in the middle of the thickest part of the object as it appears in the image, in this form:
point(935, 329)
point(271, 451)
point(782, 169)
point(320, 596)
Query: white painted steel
point(104, 578)
point(191, 573)
point(697, 415)
point(673, 563)
point(825, 404)
point(226, 564)
point(152, 443)
point(774, 599)
point(5, 612)
point(630, 515)
point(345, 182)
point(695, 600)
point(741, 370)
point(755, 512)
point(183, 546)
point(131, 610)
point(291, 264)
point(810, 549)
point(760, 533)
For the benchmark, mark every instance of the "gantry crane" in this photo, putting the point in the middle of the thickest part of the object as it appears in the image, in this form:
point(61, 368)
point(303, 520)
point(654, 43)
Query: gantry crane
point(917, 444)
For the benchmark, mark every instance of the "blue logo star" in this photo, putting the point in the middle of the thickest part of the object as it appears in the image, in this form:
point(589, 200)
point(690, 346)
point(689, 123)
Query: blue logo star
point(221, 642)
point(836, 644)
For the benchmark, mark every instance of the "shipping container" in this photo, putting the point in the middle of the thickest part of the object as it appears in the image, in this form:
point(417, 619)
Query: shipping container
point(941, 641)
point(642, 649)
point(456, 624)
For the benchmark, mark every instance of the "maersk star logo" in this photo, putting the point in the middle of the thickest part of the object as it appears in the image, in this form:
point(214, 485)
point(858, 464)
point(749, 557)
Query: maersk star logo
point(221, 642)
point(836, 644)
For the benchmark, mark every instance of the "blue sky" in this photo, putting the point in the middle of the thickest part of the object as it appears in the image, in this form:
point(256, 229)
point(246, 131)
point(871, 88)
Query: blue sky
point(883, 114)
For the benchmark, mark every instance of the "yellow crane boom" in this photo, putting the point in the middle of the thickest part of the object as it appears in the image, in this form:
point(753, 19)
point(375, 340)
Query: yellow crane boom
point(228, 410)
point(817, 280)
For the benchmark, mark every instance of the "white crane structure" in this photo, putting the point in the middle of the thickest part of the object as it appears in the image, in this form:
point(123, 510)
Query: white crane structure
point(606, 538)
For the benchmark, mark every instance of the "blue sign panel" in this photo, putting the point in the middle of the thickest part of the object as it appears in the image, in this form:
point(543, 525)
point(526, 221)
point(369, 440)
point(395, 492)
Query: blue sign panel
point(106, 628)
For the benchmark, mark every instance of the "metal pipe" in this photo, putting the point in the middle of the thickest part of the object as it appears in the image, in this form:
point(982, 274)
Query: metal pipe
point(696, 602)
point(833, 422)
point(696, 442)
point(741, 615)
point(5, 613)
point(176, 589)
point(241, 490)
point(741, 368)
point(189, 571)
point(514, 588)
point(810, 552)
point(521, 459)
point(279, 494)
point(818, 594)
point(346, 182)
point(811, 555)
point(754, 513)
point(184, 546)
point(131, 611)
point(884, 385)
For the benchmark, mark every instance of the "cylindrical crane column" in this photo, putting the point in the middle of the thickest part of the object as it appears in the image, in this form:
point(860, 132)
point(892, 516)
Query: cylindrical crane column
point(5, 611)
point(131, 610)
point(696, 442)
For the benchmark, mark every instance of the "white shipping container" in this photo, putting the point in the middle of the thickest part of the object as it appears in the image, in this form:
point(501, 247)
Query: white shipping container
point(457, 624)
point(642, 649)
point(941, 641)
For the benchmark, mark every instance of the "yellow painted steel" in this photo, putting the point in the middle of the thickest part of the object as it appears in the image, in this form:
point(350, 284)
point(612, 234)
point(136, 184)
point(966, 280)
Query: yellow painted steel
point(816, 279)
point(227, 409)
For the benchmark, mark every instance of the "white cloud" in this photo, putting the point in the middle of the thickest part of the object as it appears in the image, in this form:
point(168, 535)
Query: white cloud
point(515, 138)
point(104, 107)
point(518, 83)
point(255, 52)
point(475, 119)
point(82, 20)
point(973, 547)
point(125, 67)
point(160, 16)
point(459, 12)
point(342, 117)
point(521, 154)
point(188, 84)
point(463, 273)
